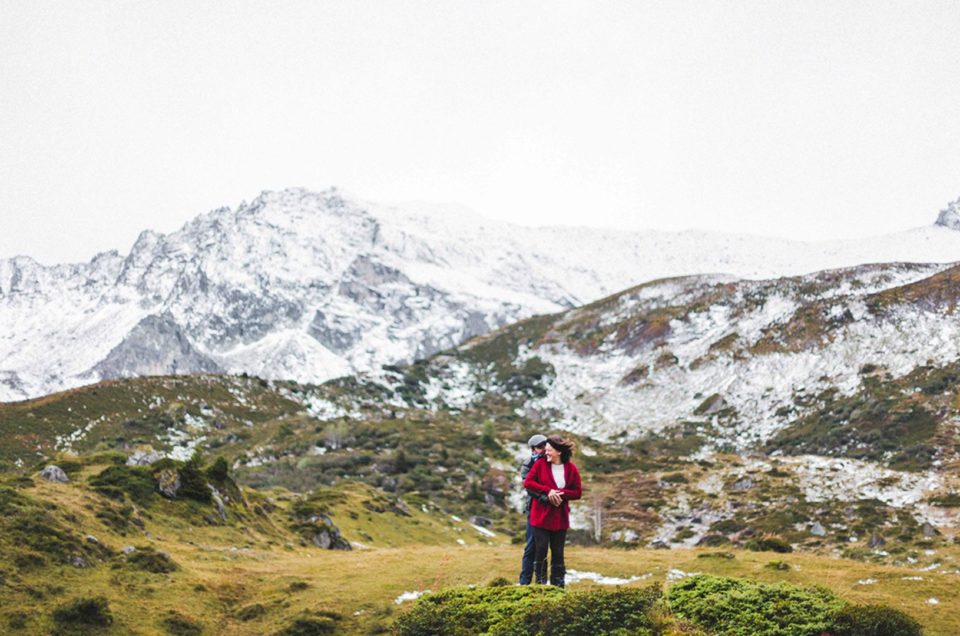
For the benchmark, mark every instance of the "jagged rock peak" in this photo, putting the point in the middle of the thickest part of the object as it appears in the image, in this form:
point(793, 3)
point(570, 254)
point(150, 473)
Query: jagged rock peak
point(331, 198)
point(950, 217)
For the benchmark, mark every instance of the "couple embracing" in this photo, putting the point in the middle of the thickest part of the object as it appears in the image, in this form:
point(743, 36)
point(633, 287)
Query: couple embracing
point(552, 481)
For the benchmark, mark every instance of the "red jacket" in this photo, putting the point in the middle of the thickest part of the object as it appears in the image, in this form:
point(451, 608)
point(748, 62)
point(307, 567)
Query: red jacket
point(540, 479)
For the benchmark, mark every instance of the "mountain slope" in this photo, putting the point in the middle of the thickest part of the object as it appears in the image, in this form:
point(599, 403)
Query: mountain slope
point(309, 285)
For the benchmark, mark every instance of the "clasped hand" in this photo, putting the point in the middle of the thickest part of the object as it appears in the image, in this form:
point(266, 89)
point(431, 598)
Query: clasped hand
point(555, 497)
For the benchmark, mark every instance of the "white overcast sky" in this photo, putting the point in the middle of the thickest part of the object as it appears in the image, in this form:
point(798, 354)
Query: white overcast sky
point(803, 119)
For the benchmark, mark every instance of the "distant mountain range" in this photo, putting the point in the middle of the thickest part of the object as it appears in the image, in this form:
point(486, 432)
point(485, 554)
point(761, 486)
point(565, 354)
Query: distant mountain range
point(314, 285)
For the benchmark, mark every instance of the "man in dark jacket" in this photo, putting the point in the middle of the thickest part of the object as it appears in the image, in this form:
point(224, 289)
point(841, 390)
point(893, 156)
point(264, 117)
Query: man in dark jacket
point(537, 443)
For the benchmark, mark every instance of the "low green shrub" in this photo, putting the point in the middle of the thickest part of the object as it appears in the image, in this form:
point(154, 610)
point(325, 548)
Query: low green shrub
point(717, 555)
point(38, 535)
point(134, 481)
point(769, 544)
point(873, 620)
point(251, 612)
point(537, 610)
point(179, 625)
point(781, 566)
point(150, 560)
point(618, 611)
point(320, 625)
point(82, 614)
point(736, 607)
point(17, 620)
point(117, 519)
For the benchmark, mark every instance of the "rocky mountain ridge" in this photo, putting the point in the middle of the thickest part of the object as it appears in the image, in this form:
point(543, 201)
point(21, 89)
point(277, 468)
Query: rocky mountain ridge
point(315, 285)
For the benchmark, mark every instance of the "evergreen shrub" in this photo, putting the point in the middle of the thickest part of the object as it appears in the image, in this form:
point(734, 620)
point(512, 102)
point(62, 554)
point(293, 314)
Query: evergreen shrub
point(82, 614)
point(736, 607)
point(873, 620)
point(135, 481)
point(769, 544)
point(530, 611)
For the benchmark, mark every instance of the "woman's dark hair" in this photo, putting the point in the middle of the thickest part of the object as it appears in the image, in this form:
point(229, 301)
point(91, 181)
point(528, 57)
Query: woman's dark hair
point(565, 447)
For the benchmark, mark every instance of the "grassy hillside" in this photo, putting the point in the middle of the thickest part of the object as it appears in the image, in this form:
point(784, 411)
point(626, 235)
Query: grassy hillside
point(423, 495)
point(254, 573)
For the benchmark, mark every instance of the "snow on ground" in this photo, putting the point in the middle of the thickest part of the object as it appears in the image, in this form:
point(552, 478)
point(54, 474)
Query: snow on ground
point(284, 355)
point(322, 409)
point(590, 393)
point(576, 576)
point(400, 282)
point(841, 479)
point(410, 596)
point(456, 386)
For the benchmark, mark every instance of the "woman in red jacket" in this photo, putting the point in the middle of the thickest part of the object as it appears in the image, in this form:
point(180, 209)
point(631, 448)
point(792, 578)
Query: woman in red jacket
point(558, 478)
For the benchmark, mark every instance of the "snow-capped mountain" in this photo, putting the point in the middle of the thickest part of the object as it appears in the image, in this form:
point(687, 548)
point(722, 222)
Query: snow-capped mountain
point(313, 285)
point(860, 362)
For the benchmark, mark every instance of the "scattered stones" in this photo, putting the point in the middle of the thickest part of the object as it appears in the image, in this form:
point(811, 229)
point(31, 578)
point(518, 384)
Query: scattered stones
point(483, 522)
point(743, 484)
point(876, 541)
point(55, 474)
point(128, 549)
point(818, 530)
point(92, 540)
point(78, 562)
point(929, 531)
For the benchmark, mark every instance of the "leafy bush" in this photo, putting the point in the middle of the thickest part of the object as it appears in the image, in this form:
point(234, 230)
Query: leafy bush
point(873, 620)
point(81, 614)
point(539, 610)
point(735, 607)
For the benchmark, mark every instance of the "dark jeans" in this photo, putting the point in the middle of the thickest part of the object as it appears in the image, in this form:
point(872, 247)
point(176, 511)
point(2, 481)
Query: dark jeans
point(554, 539)
point(526, 565)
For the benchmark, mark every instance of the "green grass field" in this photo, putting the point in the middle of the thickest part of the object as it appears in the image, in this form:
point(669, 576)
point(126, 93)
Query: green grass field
point(254, 576)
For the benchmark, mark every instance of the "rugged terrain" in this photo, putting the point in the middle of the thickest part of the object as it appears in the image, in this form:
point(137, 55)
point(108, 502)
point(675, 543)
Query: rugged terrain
point(423, 497)
point(314, 285)
point(800, 428)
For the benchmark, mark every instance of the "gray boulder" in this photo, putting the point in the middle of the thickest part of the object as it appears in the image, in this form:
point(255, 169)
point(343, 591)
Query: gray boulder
point(743, 484)
point(218, 502)
point(168, 483)
point(144, 458)
point(55, 474)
